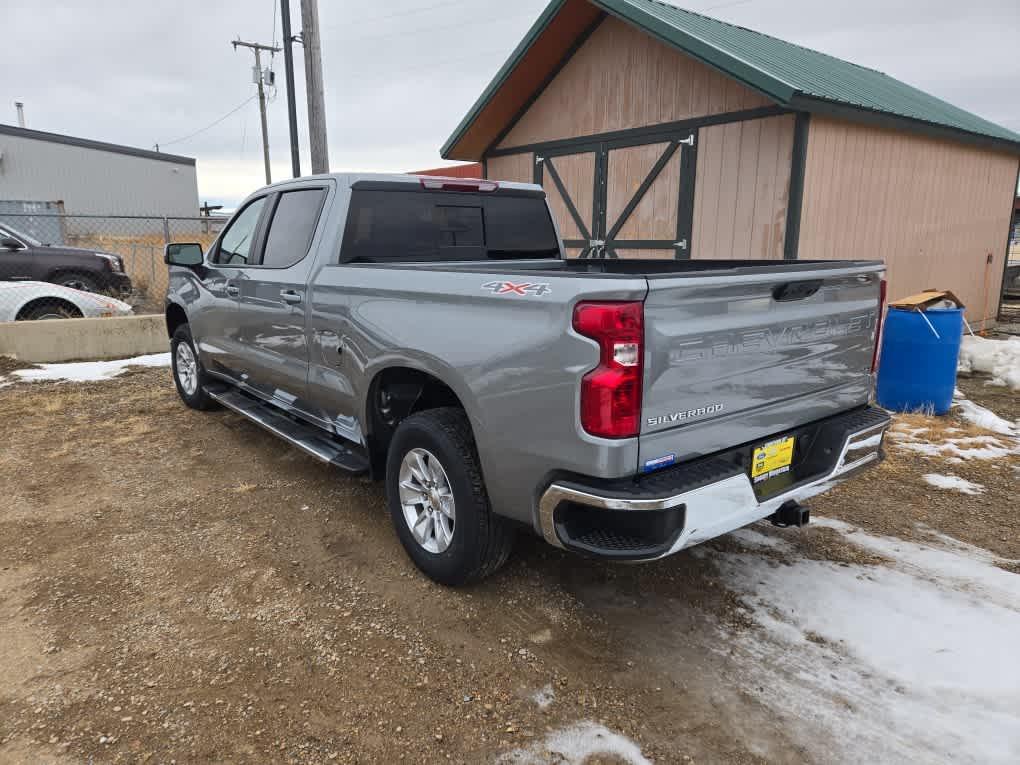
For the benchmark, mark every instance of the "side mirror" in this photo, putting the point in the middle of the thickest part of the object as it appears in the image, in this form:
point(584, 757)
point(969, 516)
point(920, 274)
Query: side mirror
point(187, 255)
point(9, 243)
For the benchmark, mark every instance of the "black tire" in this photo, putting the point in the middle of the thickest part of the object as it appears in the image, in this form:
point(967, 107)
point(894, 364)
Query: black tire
point(49, 309)
point(481, 541)
point(197, 399)
point(78, 281)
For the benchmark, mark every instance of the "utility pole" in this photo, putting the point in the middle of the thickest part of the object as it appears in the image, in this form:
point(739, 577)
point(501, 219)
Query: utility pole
point(313, 85)
point(260, 81)
point(288, 66)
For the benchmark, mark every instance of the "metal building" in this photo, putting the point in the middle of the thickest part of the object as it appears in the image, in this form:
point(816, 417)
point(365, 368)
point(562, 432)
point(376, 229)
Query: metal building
point(92, 177)
point(658, 132)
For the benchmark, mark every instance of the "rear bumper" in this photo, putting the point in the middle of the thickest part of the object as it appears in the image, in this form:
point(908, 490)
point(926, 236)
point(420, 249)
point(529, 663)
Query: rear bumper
point(662, 513)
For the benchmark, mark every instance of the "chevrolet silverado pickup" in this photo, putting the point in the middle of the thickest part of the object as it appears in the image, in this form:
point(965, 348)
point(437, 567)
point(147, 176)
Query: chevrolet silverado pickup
point(431, 333)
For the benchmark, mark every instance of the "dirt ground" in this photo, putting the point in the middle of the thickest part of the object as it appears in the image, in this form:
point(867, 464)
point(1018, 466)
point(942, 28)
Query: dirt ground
point(178, 586)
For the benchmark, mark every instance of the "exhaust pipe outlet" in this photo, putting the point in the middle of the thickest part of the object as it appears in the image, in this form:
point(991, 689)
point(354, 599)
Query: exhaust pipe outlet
point(791, 513)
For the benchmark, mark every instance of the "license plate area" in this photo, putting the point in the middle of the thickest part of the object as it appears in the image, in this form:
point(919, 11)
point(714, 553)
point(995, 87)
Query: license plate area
point(772, 459)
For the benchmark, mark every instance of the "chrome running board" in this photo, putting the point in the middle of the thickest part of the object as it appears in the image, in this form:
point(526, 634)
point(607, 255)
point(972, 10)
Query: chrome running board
point(307, 438)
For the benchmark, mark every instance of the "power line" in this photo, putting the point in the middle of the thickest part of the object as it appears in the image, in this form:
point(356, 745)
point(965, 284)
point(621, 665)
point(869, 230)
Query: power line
point(244, 138)
point(432, 65)
point(233, 111)
point(416, 11)
point(447, 27)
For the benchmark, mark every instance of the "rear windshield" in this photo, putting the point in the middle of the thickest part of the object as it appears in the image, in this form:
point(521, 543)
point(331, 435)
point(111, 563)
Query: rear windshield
point(423, 226)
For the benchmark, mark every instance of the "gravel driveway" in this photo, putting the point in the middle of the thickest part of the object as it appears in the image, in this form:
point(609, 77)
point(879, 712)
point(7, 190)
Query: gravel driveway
point(179, 586)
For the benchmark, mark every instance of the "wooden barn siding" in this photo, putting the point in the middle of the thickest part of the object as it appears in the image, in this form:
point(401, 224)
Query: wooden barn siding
point(518, 168)
point(934, 210)
point(742, 189)
point(621, 78)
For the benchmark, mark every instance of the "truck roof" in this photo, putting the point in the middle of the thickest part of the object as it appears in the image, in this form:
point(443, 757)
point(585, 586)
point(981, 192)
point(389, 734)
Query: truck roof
point(349, 179)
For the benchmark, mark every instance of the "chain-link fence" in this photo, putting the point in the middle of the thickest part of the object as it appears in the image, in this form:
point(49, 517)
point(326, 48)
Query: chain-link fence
point(60, 251)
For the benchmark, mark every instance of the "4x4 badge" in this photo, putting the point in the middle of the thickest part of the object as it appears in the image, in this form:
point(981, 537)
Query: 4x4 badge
point(510, 288)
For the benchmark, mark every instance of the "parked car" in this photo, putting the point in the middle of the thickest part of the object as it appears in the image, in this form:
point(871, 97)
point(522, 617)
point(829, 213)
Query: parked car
point(22, 301)
point(24, 258)
point(430, 332)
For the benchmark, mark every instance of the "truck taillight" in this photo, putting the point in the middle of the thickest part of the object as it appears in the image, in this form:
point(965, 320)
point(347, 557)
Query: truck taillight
point(611, 393)
point(878, 329)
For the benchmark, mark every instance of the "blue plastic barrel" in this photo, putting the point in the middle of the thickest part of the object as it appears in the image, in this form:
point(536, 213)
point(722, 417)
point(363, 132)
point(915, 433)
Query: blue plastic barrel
point(917, 370)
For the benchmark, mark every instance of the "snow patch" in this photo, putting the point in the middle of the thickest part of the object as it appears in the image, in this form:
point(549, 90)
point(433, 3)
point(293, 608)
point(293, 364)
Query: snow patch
point(755, 540)
point(902, 430)
point(998, 358)
point(574, 745)
point(544, 697)
point(953, 483)
point(90, 371)
point(986, 418)
point(911, 662)
point(958, 450)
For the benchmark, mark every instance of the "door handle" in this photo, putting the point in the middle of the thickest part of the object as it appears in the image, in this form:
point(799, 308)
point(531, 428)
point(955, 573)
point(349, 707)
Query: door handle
point(233, 290)
point(290, 296)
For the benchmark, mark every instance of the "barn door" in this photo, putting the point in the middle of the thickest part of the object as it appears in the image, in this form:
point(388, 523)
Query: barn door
point(619, 199)
point(649, 192)
point(571, 185)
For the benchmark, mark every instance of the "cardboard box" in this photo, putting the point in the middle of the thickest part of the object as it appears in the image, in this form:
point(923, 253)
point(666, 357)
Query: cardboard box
point(924, 300)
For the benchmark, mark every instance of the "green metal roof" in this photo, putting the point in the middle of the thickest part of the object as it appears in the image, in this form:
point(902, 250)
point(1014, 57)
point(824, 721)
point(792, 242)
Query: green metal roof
point(792, 75)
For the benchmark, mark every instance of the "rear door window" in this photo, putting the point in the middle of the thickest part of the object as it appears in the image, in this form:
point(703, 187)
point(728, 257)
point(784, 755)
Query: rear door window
point(292, 228)
point(421, 226)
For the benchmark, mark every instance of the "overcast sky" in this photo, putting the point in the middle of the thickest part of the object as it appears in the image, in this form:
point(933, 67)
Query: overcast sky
point(400, 74)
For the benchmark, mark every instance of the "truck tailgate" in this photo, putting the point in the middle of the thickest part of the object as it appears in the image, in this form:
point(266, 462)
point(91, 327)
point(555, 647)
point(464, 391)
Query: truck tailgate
point(732, 357)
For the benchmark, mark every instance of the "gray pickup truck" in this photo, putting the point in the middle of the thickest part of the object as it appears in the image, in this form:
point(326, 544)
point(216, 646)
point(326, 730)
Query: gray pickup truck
point(429, 332)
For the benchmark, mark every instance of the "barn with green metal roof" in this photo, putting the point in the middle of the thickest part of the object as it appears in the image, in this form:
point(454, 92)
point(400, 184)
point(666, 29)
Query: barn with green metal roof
point(662, 133)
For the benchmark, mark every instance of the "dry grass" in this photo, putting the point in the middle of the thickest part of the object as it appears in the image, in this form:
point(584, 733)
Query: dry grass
point(938, 429)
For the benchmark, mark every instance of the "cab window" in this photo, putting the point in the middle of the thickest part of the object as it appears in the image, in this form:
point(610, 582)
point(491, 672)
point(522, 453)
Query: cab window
point(290, 233)
point(235, 246)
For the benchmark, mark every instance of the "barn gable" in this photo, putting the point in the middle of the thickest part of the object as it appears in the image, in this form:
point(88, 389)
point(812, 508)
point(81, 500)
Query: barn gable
point(798, 78)
point(618, 79)
point(660, 133)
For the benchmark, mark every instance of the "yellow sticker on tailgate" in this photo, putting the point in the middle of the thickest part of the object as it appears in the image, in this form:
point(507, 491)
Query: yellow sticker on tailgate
point(772, 459)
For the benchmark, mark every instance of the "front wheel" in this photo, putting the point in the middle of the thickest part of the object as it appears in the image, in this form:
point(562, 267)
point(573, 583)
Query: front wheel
point(437, 499)
point(49, 309)
point(76, 281)
point(190, 378)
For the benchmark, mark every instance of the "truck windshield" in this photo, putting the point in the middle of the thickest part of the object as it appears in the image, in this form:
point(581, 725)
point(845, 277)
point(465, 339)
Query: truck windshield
point(423, 226)
point(6, 230)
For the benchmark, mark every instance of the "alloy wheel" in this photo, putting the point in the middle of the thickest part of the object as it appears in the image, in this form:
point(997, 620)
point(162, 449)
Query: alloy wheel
point(187, 369)
point(427, 500)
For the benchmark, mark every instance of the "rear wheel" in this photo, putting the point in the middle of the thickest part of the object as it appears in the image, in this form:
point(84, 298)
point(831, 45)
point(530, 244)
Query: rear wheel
point(189, 376)
point(437, 499)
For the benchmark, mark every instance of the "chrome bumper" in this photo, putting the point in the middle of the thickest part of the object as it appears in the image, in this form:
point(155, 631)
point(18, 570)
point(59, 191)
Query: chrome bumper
point(720, 507)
